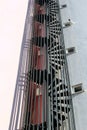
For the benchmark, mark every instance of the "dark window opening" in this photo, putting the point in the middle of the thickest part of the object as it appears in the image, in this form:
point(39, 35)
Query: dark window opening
point(78, 89)
point(63, 6)
point(70, 50)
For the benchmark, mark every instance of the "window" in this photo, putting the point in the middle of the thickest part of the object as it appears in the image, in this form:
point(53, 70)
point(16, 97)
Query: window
point(78, 88)
point(63, 6)
point(70, 50)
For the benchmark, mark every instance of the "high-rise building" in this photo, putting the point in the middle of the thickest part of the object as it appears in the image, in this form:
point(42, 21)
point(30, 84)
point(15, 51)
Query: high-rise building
point(50, 91)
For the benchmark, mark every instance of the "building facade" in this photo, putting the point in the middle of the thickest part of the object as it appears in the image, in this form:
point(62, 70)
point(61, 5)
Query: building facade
point(50, 91)
point(75, 37)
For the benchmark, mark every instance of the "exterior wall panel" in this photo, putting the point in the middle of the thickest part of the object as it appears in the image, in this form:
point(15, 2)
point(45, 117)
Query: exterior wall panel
point(76, 36)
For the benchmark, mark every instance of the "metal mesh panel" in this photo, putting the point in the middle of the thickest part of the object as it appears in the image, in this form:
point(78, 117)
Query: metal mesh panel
point(45, 96)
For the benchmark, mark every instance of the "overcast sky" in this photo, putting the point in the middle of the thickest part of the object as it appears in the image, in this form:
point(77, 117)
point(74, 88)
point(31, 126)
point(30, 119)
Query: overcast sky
point(12, 18)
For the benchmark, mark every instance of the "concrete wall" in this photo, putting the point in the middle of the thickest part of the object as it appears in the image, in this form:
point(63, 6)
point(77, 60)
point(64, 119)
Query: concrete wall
point(76, 36)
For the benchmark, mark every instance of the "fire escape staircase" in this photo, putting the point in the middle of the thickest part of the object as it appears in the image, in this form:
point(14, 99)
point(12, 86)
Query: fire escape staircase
point(48, 103)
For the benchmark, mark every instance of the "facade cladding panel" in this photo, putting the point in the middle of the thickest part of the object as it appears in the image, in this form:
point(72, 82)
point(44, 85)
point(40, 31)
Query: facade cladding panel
point(47, 95)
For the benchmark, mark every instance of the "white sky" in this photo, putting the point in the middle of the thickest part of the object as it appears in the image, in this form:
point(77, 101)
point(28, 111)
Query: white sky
point(12, 18)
